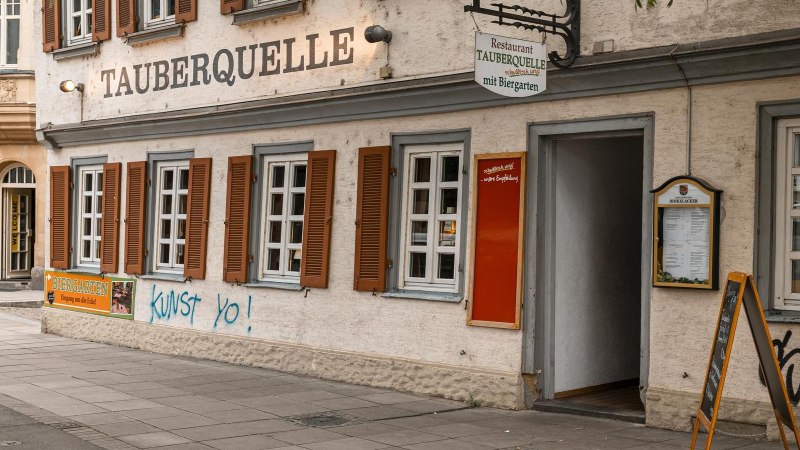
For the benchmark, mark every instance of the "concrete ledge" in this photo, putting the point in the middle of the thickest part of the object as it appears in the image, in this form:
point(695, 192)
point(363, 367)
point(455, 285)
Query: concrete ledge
point(675, 410)
point(498, 389)
point(22, 304)
point(74, 51)
point(270, 11)
point(152, 34)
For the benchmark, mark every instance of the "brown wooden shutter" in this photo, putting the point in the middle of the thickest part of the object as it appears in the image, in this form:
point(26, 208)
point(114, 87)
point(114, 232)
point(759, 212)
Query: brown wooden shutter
point(372, 218)
point(101, 20)
point(109, 237)
point(197, 218)
point(237, 219)
point(318, 219)
point(185, 10)
point(126, 17)
point(59, 217)
point(135, 218)
point(51, 25)
point(231, 6)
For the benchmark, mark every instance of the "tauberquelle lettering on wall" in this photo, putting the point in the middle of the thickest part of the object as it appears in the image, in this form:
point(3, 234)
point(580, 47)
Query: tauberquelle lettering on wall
point(227, 66)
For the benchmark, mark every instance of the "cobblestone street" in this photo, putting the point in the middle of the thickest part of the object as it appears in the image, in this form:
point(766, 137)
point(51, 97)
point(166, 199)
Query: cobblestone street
point(120, 398)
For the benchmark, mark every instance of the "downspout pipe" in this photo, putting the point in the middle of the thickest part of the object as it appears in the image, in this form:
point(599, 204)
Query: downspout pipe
point(688, 112)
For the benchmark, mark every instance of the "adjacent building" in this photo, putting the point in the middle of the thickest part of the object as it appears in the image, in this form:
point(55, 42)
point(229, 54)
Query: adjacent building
point(285, 194)
point(22, 158)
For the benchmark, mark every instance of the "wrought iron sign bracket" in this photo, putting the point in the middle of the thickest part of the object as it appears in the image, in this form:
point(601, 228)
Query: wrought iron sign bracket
point(566, 25)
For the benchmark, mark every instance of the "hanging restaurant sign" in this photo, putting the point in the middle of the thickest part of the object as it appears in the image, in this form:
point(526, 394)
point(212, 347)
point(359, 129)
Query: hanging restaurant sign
point(686, 234)
point(510, 67)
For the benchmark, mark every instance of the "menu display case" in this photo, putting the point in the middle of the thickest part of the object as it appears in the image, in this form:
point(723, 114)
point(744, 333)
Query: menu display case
point(686, 234)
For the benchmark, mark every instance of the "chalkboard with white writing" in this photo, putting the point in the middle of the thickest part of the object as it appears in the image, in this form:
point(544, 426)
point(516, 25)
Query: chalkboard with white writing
point(727, 319)
point(741, 290)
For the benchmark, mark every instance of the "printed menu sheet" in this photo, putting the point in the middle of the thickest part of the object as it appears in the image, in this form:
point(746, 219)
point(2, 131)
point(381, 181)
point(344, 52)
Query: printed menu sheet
point(686, 242)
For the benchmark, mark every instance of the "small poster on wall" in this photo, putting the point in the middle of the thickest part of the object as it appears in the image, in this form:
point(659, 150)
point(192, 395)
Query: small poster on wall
point(107, 296)
point(686, 234)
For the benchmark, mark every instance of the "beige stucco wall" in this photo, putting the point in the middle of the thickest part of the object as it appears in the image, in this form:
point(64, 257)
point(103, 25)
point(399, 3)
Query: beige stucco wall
point(29, 46)
point(429, 38)
point(724, 153)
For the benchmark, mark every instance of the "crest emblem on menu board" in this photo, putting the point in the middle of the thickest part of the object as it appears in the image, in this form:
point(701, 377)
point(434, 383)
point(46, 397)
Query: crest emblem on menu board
point(683, 189)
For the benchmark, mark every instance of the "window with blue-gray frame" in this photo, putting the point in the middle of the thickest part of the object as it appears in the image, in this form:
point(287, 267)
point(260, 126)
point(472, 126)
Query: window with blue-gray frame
point(430, 232)
point(427, 215)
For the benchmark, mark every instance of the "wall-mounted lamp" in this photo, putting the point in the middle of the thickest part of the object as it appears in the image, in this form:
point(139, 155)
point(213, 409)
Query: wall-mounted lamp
point(377, 33)
point(69, 86)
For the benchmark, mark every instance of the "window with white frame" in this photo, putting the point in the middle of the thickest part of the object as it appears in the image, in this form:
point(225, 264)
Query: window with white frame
point(787, 216)
point(90, 215)
point(170, 224)
point(159, 12)
point(431, 214)
point(283, 209)
point(79, 22)
point(9, 27)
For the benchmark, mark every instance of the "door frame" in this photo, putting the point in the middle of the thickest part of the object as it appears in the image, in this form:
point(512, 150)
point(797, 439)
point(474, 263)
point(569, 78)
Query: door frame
point(538, 346)
point(6, 193)
point(5, 232)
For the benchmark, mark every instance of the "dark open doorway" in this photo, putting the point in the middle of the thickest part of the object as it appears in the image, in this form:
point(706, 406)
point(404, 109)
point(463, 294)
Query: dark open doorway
point(591, 267)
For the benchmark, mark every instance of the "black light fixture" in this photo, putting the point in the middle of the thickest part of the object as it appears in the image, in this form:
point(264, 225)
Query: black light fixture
point(377, 33)
point(566, 25)
point(69, 86)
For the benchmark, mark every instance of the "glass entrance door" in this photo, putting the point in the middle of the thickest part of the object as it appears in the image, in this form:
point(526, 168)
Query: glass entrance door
point(18, 221)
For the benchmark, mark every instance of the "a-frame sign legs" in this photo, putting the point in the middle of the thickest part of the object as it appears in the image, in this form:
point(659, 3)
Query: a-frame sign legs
point(783, 433)
point(740, 289)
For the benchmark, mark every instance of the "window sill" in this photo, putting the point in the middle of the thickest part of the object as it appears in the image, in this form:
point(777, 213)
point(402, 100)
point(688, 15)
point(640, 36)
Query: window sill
point(76, 50)
point(153, 34)
point(164, 277)
point(10, 70)
point(270, 11)
point(780, 316)
point(84, 270)
point(274, 285)
point(425, 295)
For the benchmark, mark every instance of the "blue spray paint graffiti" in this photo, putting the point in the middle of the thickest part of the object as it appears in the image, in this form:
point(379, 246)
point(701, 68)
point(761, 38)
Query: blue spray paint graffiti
point(229, 312)
point(169, 304)
point(166, 305)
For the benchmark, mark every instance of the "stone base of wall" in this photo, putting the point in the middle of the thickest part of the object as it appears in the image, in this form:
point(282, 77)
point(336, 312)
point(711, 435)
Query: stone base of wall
point(487, 388)
point(675, 410)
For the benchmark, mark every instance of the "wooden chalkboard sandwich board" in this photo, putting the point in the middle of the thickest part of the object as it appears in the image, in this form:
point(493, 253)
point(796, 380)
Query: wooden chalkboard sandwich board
point(740, 289)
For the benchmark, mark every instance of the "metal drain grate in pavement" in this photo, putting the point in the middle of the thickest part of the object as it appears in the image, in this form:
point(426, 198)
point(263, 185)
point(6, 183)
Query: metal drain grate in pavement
point(65, 425)
point(325, 420)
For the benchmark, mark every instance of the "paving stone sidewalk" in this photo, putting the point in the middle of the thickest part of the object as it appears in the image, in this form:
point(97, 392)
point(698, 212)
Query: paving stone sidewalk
point(119, 398)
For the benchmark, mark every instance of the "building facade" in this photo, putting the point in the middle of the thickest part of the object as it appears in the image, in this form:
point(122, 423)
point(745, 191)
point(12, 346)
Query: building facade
point(283, 199)
point(22, 158)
